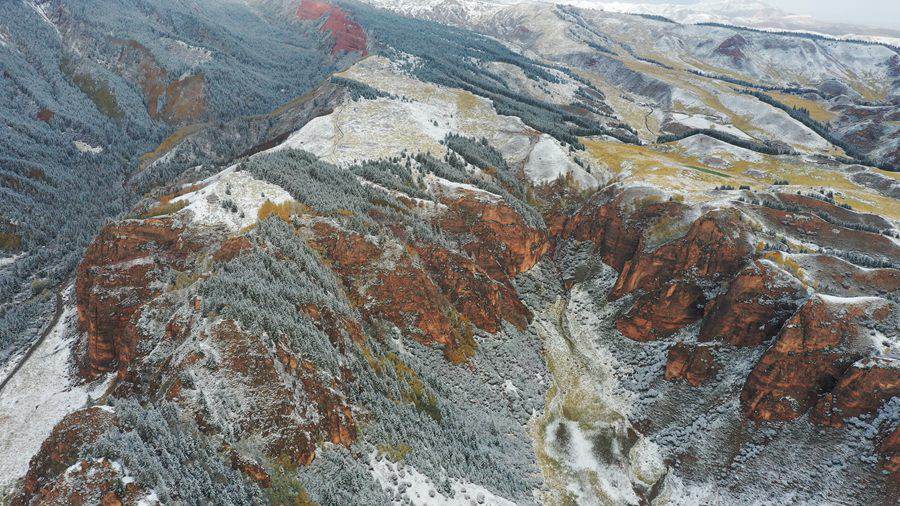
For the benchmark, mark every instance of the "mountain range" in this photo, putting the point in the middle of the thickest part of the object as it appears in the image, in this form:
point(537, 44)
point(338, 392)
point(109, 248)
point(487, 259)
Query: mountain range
point(446, 252)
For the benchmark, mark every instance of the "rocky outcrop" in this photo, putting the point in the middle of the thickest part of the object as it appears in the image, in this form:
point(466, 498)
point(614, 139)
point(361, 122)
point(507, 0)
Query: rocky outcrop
point(758, 302)
point(387, 284)
point(661, 313)
point(270, 407)
point(115, 278)
point(501, 242)
point(615, 220)
point(693, 364)
point(60, 450)
point(714, 249)
point(733, 48)
point(348, 35)
point(673, 278)
point(482, 300)
point(92, 482)
point(812, 353)
point(861, 390)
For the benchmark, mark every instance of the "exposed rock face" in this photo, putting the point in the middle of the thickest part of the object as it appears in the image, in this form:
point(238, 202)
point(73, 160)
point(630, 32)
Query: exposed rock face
point(434, 292)
point(502, 243)
point(387, 284)
point(813, 351)
point(661, 313)
point(92, 482)
point(758, 302)
point(115, 279)
point(673, 276)
point(733, 48)
point(861, 390)
point(348, 35)
point(694, 364)
point(59, 450)
point(615, 223)
point(483, 301)
point(714, 249)
point(273, 411)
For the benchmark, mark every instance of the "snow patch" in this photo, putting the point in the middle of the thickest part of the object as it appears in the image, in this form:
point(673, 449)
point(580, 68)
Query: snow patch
point(41, 393)
point(699, 121)
point(84, 147)
point(549, 160)
point(232, 198)
point(407, 483)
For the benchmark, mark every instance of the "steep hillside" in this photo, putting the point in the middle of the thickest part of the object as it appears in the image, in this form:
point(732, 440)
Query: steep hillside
point(542, 266)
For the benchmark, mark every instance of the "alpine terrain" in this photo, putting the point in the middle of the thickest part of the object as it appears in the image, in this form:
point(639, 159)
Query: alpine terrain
point(445, 252)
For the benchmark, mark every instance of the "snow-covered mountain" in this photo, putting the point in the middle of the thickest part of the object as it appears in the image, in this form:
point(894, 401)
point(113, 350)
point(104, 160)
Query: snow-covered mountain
point(752, 14)
point(448, 252)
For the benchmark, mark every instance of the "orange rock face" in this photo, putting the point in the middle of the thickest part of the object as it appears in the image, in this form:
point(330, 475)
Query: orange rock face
point(432, 291)
point(503, 244)
point(714, 249)
point(672, 276)
point(348, 35)
point(861, 390)
point(758, 302)
point(615, 232)
point(813, 351)
point(388, 285)
point(661, 313)
point(484, 301)
point(694, 364)
point(91, 482)
point(115, 279)
point(60, 450)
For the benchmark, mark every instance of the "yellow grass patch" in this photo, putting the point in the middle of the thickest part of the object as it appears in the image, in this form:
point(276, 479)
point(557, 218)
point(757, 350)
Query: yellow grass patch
point(816, 110)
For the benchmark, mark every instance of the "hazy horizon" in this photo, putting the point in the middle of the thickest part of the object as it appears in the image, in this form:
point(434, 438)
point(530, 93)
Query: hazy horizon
point(875, 13)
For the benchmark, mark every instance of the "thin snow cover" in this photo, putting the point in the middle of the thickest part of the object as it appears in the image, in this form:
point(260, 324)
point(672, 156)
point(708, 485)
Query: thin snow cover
point(549, 160)
point(701, 121)
point(209, 206)
point(42, 12)
point(832, 299)
point(10, 260)
point(191, 55)
point(771, 119)
point(438, 185)
point(41, 393)
point(406, 482)
point(703, 146)
point(84, 147)
point(469, 9)
point(416, 119)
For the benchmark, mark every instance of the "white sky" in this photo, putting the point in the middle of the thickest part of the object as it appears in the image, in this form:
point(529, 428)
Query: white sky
point(881, 13)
